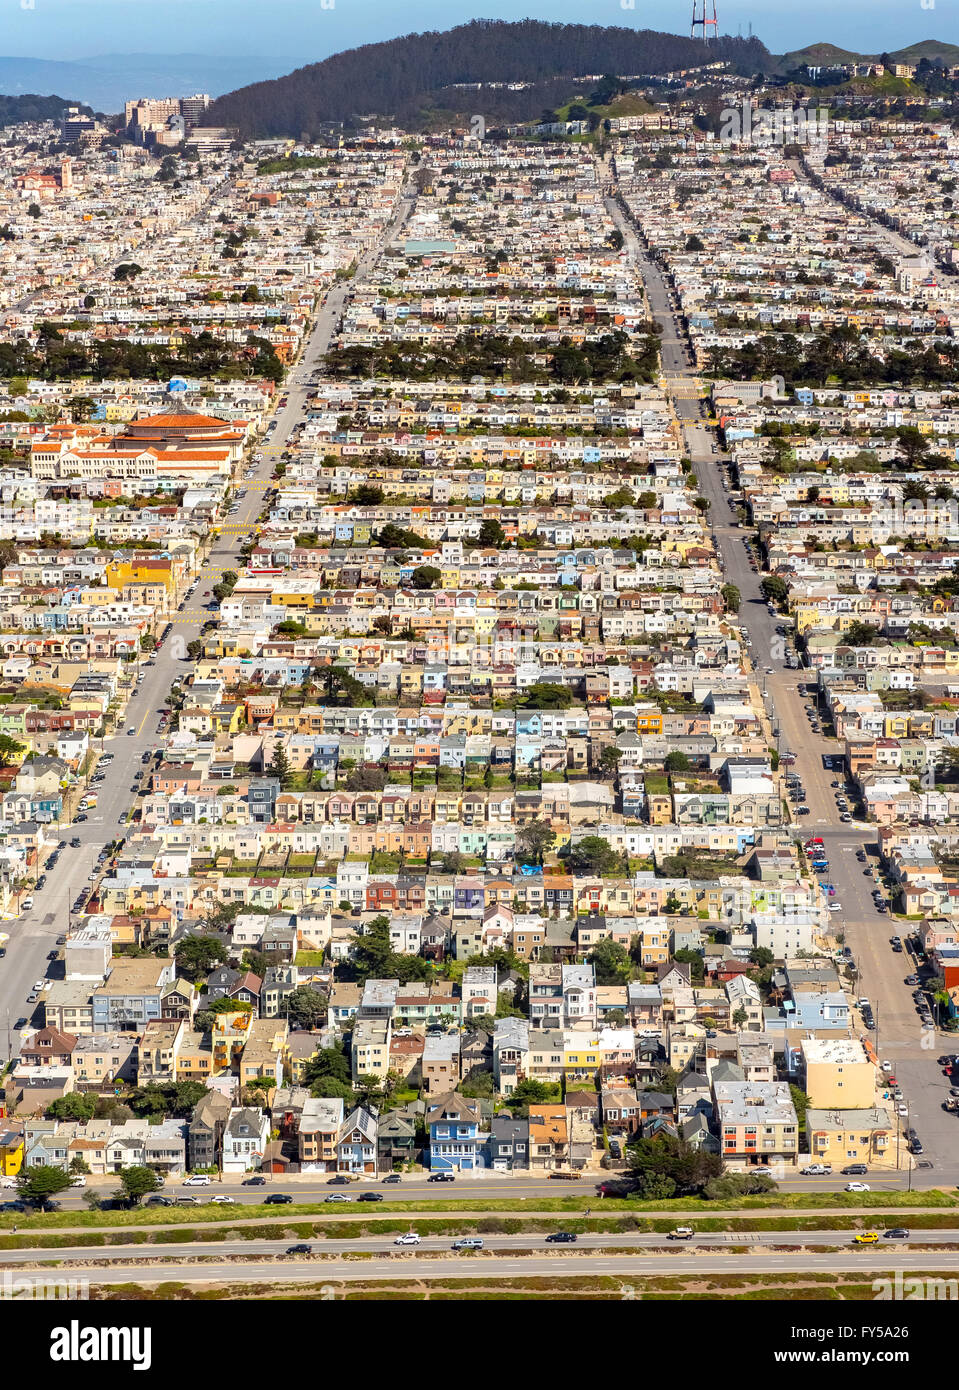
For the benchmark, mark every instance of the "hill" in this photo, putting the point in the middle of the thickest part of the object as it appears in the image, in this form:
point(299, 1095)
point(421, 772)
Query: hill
point(823, 54)
point(31, 107)
point(410, 79)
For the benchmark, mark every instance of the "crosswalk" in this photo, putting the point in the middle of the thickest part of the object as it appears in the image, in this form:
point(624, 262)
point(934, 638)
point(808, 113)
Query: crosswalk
point(686, 388)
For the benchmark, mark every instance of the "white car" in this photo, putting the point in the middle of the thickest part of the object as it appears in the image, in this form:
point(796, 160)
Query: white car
point(902, 1110)
point(408, 1238)
point(8, 1182)
point(835, 907)
point(886, 1066)
point(858, 1187)
point(224, 1201)
point(198, 1180)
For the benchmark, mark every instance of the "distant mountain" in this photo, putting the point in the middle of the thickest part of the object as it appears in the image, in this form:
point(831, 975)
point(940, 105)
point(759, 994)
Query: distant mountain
point(107, 81)
point(415, 78)
point(824, 54)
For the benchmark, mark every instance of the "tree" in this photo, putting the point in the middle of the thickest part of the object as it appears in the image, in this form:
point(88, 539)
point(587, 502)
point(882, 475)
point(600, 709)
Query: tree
point(33, 210)
point(75, 1105)
point(38, 1185)
point(545, 695)
point(676, 761)
point(534, 840)
point(592, 855)
point(740, 1017)
point(279, 766)
point(693, 243)
point(732, 597)
point(609, 759)
point(801, 1103)
point(761, 956)
point(738, 1185)
point(688, 1167)
point(774, 588)
point(426, 577)
point(860, 634)
point(367, 495)
point(611, 962)
point(453, 862)
point(136, 1183)
point(305, 1007)
point(194, 649)
point(491, 533)
point(197, 955)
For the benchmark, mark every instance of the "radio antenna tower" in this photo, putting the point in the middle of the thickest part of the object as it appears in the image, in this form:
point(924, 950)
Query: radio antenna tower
point(707, 27)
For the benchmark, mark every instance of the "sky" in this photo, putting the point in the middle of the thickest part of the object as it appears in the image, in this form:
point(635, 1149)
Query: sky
point(306, 31)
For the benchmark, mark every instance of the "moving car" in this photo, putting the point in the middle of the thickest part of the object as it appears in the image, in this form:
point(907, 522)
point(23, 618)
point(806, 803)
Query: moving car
point(857, 1187)
point(370, 1197)
point(407, 1238)
point(561, 1238)
point(301, 1249)
point(896, 1233)
point(278, 1199)
point(468, 1243)
point(223, 1200)
point(680, 1233)
point(866, 1238)
point(338, 1197)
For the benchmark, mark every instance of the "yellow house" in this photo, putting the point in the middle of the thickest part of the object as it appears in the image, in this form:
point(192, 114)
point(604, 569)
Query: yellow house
point(140, 570)
point(581, 1056)
point(838, 1074)
point(11, 1153)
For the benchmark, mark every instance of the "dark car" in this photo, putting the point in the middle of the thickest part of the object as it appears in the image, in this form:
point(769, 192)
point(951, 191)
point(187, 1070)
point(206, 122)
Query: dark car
point(370, 1197)
point(278, 1199)
point(157, 1201)
point(301, 1249)
point(75, 842)
point(561, 1238)
point(854, 1170)
point(254, 1182)
point(441, 1177)
point(341, 1180)
point(20, 1023)
point(13, 1206)
point(392, 1177)
point(896, 1233)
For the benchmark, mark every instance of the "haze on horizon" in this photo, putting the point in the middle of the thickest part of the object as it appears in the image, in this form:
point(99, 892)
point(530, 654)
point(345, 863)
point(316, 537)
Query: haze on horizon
point(304, 32)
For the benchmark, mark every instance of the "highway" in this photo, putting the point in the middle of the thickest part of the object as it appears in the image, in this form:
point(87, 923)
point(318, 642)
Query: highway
point(386, 1245)
point(33, 935)
point(482, 1265)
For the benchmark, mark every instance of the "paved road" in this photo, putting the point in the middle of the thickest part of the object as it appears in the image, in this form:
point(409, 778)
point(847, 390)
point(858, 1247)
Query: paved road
point(33, 935)
point(386, 1245)
point(482, 1266)
point(881, 971)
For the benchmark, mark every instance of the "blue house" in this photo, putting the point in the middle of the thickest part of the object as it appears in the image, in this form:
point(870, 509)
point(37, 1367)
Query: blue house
point(457, 1142)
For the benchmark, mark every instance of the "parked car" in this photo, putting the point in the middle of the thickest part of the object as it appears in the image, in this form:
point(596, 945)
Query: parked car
point(198, 1180)
point(441, 1177)
point(258, 1181)
point(816, 1170)
point(854, 1170)
point(392, 1178)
